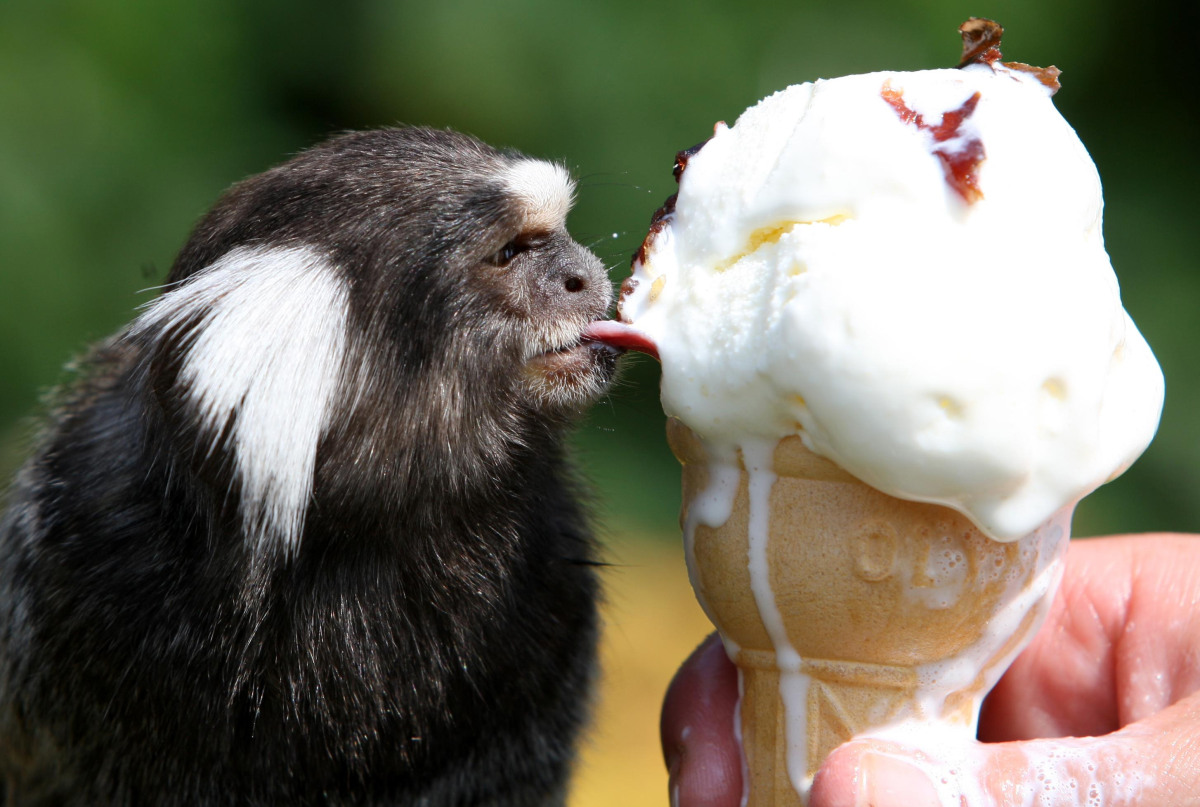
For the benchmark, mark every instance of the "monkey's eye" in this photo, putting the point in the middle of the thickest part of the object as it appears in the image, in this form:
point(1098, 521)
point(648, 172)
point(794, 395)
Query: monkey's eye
point(504, 255)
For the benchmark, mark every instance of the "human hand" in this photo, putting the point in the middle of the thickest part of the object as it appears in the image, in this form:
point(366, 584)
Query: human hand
point(1102, 709)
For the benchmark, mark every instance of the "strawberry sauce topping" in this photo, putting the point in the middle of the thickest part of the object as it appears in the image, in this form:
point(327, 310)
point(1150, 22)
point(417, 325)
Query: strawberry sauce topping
point(959, 152)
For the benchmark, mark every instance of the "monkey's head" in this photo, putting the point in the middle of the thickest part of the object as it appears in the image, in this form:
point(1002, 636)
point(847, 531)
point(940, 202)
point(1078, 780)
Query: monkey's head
point(406, 303)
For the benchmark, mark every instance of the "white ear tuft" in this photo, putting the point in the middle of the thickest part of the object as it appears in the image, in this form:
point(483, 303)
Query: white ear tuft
point(546, 190)
point(267, 347)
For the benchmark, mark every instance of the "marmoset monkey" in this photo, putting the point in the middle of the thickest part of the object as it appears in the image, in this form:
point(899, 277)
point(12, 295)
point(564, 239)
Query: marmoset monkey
point(305, 532)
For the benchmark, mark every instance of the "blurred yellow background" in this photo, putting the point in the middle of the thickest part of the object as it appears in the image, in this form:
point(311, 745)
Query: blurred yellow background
point(652, 623)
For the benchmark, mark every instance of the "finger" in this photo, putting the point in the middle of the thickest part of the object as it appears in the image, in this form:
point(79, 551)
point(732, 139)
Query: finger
point(697, 730)
point(1121, 642)
point(1152, 763)
point(1064, 683)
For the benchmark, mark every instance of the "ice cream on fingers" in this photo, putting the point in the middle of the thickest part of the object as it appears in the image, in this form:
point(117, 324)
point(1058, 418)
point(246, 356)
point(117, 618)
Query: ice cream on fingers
point(895, 356)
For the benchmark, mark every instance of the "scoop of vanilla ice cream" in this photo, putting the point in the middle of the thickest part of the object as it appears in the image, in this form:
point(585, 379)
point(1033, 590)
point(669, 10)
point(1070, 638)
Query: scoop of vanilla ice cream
point(907, 270)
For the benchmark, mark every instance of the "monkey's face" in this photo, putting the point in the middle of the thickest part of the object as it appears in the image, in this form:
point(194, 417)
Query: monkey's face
point(549, 288)
point(463, 266)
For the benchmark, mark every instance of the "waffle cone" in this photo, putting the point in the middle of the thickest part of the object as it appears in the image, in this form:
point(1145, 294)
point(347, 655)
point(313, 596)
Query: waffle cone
point(847, 610)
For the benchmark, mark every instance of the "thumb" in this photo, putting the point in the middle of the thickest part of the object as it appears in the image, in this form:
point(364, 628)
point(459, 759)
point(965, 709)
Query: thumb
point(699, 713)
point(1151, 763)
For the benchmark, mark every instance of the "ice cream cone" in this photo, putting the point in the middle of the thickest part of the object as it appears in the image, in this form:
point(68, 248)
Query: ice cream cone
point(847, 610)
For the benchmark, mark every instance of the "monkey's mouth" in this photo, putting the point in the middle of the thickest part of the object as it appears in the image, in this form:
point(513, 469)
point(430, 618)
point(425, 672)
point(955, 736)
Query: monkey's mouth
point(578, 357)
point(579, 370)
point(619, 336)
point(600, 340)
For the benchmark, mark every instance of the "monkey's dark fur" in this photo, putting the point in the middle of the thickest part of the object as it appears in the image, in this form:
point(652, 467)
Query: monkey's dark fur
point(424, 631)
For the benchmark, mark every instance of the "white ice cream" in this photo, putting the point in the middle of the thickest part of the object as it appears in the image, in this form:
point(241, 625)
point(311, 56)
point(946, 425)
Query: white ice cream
point(948, 337)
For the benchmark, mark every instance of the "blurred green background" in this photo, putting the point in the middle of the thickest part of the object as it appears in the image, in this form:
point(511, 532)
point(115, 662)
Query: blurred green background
point(122, 120)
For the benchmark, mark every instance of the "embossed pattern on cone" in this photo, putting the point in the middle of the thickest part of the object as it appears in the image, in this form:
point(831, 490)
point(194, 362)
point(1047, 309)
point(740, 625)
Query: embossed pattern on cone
point(876, 595)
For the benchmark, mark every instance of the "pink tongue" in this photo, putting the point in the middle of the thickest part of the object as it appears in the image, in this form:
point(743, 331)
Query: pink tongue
point(619, 335)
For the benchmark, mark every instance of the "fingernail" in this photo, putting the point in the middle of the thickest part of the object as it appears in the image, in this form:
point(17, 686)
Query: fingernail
point(887, 781)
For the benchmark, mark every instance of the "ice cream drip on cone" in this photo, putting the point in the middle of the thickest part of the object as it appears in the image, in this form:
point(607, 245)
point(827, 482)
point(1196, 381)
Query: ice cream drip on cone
point(847, 610)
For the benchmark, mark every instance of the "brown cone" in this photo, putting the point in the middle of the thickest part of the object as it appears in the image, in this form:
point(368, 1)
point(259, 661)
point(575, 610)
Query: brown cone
point(869, 588)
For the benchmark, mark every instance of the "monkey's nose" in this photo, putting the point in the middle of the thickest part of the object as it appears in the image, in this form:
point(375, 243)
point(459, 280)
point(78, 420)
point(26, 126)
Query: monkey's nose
point(582, 282)
point(583, 272)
